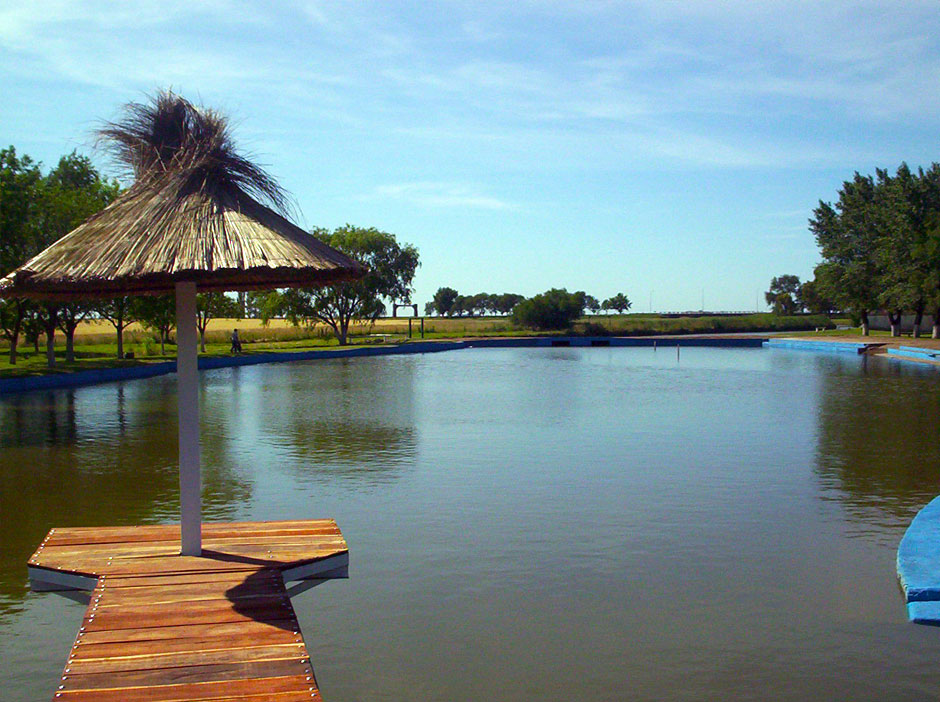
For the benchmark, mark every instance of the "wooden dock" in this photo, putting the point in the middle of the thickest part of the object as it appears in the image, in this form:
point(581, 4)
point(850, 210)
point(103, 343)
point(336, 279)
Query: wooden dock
point(160, 626)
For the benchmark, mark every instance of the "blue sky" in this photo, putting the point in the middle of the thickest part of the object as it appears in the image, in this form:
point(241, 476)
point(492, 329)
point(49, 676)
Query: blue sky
point(664, 149)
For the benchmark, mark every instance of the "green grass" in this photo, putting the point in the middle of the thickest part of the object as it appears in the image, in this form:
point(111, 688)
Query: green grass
point(645, 325)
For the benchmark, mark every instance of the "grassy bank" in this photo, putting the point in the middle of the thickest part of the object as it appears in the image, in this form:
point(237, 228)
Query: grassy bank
point(95, 345)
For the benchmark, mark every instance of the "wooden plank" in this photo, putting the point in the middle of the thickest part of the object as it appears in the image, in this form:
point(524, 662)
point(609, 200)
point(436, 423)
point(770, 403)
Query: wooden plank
point(258, 636)
point(169, 694)
point(272, 599)
point(162, 532)
point(221, 672)
point(180, 631)
point(135, 581)
point(160, 660)
point(232, 590)
point(197, 692)
point(143, 618)
point(180, 564)
point(164, 544)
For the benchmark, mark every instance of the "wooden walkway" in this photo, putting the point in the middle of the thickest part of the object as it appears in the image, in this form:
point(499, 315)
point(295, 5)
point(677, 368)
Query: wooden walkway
point(160, 626)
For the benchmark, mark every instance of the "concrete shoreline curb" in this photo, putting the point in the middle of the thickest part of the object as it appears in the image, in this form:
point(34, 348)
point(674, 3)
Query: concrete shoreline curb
point(110, 375)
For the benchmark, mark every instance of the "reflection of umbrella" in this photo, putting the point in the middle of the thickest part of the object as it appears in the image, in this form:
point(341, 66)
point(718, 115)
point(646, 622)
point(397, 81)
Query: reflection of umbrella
point(191, 220)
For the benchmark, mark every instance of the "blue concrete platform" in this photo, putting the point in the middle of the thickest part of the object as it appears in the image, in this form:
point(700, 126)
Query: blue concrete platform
point(904, 353)
point(919, 565)
point(851, 347)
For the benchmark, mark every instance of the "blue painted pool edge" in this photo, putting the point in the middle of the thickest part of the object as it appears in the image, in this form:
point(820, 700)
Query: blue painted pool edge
point(918, 565)
point(614, 341)
point(850, 347)
point(110, 375)
point(906, 353)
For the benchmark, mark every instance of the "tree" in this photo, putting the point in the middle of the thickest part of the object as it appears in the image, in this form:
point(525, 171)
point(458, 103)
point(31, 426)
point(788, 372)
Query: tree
point(592, 304)
point(20, 186)
point(848, 236)
point(157, 313)
point(929, 248)
point(444, 301)
point(507, 301)
point(36, 211)
point(121, 312)
point(784, 294)
point(909, 205)
point(553, 309)
point(70, 316)
point(619, 302)
point(479, 304)
point(214, 305)
point(459, 307)
point(49, 320)
point(391, 268)
point(73, 192)
point(814, 300)
point(430, 309)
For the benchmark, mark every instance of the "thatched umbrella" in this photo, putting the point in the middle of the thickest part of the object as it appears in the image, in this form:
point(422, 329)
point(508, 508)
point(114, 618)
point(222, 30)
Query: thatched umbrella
point(192, 220)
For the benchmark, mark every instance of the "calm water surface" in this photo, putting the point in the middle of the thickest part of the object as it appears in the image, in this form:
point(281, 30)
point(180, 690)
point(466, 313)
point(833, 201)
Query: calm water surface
point(533, 524)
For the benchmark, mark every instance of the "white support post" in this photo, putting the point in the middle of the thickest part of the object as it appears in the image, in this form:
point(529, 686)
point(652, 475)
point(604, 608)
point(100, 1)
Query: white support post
point(187, 382)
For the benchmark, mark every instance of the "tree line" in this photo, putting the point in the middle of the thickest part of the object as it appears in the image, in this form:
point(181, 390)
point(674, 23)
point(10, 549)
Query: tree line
point(37, 209)
point(880, 245)
point(390, 269)
point(447, 302)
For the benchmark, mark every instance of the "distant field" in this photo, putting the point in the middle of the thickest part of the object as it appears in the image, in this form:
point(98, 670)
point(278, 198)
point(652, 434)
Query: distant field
point(95, 332)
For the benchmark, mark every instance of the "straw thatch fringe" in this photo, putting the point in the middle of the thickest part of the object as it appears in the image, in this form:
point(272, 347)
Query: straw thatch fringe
point(171, 135)
point(189, 217)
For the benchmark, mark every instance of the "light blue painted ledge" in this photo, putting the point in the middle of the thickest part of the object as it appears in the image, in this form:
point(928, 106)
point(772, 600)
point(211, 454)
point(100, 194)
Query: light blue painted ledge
point(919, 565)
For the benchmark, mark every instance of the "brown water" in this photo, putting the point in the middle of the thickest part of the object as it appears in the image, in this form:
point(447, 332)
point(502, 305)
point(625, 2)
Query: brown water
point(533, 524)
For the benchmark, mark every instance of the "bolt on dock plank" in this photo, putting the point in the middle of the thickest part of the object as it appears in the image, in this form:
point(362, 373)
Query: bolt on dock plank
point(160, 626)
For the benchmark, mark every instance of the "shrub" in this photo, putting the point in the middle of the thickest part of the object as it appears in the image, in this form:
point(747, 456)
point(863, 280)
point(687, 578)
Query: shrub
point(553, 309)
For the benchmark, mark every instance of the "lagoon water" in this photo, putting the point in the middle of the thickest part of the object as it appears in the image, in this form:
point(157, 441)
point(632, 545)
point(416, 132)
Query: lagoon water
point(527, 524)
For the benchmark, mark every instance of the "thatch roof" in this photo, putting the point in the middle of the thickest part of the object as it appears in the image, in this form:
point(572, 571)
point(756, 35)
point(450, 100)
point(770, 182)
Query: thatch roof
point(190, 216)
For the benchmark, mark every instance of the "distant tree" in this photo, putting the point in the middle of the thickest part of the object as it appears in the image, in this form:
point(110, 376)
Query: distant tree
point(391, 268)
point(479, 303)
point(619, 303)
point(121, 312)
point(592, 304)
point(444, 301)
point(48, 313)
point(254, 301)
point(71, 315)
point(507, 301)
point(214, 305)
point(157, 313)
point(814, 300)
point(430, 309)
point(784, 294)
point(553, 309)
point(459, 306)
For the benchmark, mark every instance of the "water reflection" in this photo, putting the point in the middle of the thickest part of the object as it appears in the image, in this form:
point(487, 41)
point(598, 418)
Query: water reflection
point(103, 455)
point(338, 420)
point(877, 452)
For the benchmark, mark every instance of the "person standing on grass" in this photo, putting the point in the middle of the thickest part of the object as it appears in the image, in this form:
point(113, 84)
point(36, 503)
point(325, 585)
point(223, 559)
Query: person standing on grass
point(236, 342)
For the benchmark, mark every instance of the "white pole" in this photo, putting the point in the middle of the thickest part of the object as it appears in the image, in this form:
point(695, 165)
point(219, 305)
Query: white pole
point(187, 384)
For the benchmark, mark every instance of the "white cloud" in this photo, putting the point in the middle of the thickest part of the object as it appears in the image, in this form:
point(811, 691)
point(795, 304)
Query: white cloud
point(429, 194)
